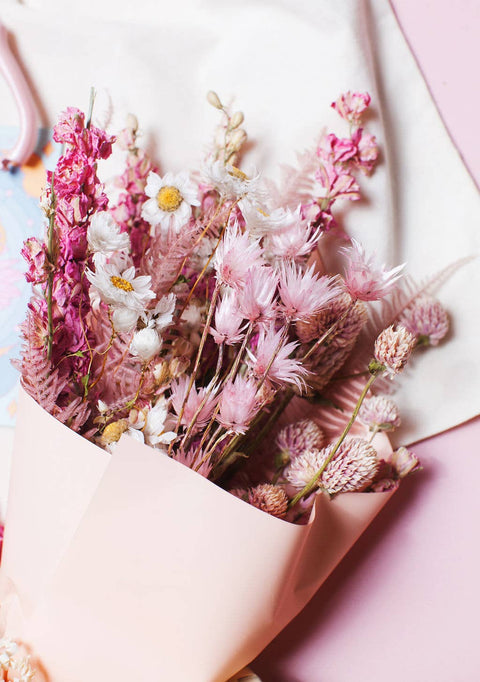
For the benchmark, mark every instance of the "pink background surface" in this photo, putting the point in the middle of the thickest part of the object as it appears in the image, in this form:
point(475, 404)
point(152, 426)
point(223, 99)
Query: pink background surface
point(404, 604)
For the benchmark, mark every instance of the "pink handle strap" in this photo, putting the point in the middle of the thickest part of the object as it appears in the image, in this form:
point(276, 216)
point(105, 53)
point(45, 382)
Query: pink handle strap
point(27, 139)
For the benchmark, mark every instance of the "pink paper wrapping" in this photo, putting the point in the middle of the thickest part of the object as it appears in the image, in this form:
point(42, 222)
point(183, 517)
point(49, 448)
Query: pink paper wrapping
point(132, 566)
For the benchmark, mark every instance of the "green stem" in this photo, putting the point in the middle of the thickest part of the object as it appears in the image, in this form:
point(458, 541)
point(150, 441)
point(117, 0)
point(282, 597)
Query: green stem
point(51, 260)
point(313, 481)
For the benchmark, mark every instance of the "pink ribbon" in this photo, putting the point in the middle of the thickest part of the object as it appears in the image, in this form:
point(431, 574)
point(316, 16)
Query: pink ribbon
point(27, 139)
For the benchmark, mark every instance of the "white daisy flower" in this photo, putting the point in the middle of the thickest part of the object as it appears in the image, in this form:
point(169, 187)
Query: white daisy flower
point(149, 426)
point(230, 182)
point(171, 200)
point(104, 236)
point(145, 344)
point(162, 314)
point(121, 288)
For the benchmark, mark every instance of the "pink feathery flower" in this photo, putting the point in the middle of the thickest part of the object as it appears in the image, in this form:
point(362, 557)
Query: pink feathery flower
point(364, 279)
point(195, 399)
point(235, 255)
point(303, 294)
point(393, 348)
point(298, 240)
point(427, 319)
point(228, 320)
point(379, 413)
point(191, 458)
point(351, 105)
point(269, 498)
point(353, 467)
point(256, 297)
point(238, 404)
point(294, 439)
point(283, 369)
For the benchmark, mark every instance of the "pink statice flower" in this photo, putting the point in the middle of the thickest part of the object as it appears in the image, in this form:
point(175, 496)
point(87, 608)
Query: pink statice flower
point(269, 498)
point(294, 439)
point(367, 150)
point(235, 255)
point(304, 293)
point(379, 413)
point(427, 319)
point(199, 405)
point(256, 297)
point(35, 253)
point(335, 182)
point(335, 149)
point(238, 404)
point(283, 369)
point(351, 105)
point(228, 320)
point(393, 348)
point(364, 280)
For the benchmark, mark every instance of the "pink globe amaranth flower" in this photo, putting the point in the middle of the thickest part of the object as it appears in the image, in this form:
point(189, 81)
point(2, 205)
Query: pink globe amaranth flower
point(351, 105)
point(283, 369)
point(256, 297)
point(294, 439)
point(195, 399)
point(393, 348)
point(352, 469)
point(427, 320)
point(364, 279)
point(379, 413)
point(238, 404)
point(269, 498)
point(303, 294)
point(384, 485)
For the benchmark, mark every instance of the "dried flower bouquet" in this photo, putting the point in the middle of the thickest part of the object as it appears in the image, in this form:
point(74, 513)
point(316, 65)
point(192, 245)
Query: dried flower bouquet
point(188, 319)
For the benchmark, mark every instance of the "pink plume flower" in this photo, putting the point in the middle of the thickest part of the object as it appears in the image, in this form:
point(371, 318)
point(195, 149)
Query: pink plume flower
point(284, 369)
point(297, 240)
point(238, 404)
point(393, 348)
point(303, 294)
point(364, 279)
point(228, 320)
point(351, 105)
point(235, 255)
point(427, 319)
point(256, 298)
point(195, 399)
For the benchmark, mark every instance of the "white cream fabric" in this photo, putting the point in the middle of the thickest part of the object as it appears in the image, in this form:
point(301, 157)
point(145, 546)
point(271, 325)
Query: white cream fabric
point(283, 63)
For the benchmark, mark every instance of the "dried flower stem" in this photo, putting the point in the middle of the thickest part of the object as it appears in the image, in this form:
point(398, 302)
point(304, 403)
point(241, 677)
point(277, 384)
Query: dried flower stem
point(51, 260)
point(307, 489)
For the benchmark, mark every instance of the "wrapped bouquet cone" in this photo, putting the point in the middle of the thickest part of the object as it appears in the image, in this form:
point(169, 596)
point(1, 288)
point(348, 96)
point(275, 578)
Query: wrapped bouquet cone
point(132, 566)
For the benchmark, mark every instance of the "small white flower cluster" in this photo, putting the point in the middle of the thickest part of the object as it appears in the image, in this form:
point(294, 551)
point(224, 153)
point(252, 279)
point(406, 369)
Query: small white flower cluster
point(14, 667)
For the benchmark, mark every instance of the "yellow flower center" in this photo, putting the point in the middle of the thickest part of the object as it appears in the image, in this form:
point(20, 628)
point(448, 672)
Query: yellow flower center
point(121, 283)
point(237, 173)
point(169, 198)
point(113, 431)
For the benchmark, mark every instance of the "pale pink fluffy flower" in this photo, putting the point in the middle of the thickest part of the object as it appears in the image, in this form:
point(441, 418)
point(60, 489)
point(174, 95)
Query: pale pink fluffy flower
point(353, 468)
point(191, 458)
point(195, 399)
point(379, 413)
point(256, 298)
point(296, 241)
point(304, 293)
point(426, 319)
point(283, 369)
point(393, 348)
point(269, 498)
point(238, 404)
point(235, 255)
point(364, 279)
point(351, 105)
point(228, 320)
point(294, 439)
